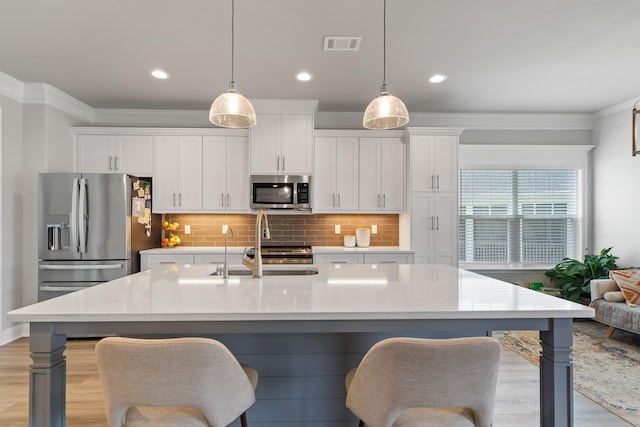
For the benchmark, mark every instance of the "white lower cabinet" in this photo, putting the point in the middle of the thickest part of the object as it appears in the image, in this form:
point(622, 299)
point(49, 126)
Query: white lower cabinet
point(232, 259)
point(364, 258)
point(388, 258)
point(434, 228)
point(150, 261)
point(338, 258)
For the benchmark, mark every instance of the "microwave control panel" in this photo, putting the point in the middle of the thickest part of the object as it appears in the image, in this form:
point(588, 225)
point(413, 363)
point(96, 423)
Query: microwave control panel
point(303, 192)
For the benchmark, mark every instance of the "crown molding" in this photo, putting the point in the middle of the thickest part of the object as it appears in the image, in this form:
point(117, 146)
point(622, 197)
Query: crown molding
point(11, 87)
point(564, 121)
point(42, 93)
point(157, 118)
point(615, 109)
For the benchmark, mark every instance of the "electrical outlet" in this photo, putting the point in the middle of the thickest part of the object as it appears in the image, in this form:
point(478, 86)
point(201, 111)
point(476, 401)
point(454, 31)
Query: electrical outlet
point(337, 228)
point(374, 229)
point(187, 229)
point(225, 229)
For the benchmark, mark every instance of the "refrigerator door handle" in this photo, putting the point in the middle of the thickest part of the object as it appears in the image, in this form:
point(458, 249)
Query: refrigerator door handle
point(73, 221)
point(80, 266)
point(63, 288)
point(82, 215)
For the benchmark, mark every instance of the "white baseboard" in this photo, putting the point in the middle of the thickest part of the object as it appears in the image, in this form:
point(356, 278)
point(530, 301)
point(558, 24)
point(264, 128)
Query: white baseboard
point(13, 333)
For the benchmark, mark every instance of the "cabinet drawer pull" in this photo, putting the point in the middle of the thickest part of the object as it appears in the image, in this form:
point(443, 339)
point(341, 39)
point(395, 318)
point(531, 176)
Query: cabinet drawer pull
point(338, 199)
point(222, 200)
point(228, 199)
point(115, 163)
point(338, 262)
point(283, 157)
point(110, 162)
point(167, 262)
point(174, 200)
point(438, 181)
point(278, 163)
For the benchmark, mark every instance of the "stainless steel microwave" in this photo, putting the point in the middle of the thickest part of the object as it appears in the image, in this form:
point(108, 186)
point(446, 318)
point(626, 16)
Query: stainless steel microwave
point(281, 192)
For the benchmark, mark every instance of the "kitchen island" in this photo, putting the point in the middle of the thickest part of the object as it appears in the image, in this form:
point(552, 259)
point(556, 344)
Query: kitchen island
point(302, 333)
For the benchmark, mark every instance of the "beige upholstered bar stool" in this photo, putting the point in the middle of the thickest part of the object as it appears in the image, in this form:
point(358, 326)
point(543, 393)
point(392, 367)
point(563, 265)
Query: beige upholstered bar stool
point(404, 382)
point(173, 382)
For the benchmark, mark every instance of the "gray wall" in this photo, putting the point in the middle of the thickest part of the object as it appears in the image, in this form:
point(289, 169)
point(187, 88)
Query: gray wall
point(11, 222)
point(616, 189)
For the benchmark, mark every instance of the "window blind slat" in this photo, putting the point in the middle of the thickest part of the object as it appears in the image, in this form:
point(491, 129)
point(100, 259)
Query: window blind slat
point(518, 215)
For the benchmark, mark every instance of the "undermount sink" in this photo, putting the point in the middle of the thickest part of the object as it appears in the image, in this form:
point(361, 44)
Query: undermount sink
point(274, 271)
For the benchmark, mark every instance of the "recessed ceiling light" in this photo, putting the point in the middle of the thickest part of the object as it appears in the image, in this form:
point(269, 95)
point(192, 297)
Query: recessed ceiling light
point(304, 76)
point(159, 74)
point(438, 78)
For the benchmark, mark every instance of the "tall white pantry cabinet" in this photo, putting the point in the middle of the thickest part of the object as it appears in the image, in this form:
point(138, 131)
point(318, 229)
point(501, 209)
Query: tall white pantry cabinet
point(431, 222)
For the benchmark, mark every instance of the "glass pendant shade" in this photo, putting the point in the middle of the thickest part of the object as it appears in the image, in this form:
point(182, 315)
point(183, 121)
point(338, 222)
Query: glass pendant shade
point(385, 112)
point(232, 110)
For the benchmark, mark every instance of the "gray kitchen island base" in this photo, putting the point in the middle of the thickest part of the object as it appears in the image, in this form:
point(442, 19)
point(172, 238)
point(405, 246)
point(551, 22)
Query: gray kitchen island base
point(301, 363)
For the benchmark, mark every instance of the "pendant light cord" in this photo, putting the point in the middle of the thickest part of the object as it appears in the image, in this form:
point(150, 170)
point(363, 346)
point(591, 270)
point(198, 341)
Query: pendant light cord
point(233, 20)
point(384, 43)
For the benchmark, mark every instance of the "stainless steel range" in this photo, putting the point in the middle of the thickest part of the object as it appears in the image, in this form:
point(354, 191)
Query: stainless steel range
point(284, 254)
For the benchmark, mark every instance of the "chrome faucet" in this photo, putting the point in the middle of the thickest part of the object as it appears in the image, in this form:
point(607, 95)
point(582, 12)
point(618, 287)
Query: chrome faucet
point(224, 269)
point(262, 231)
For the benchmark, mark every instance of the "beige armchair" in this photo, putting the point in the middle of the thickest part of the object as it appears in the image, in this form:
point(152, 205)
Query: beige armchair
point(173, 382)
point(404, 382)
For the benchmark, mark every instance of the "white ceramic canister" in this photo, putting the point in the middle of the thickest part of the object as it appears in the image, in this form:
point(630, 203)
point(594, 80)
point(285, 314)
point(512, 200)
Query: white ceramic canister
point(363, 236)
point(349, 241)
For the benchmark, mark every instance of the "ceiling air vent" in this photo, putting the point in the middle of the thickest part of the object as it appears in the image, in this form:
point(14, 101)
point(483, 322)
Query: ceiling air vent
point(342, 43)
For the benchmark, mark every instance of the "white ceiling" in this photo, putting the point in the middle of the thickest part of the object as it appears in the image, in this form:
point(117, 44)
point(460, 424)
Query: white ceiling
point(577, 56)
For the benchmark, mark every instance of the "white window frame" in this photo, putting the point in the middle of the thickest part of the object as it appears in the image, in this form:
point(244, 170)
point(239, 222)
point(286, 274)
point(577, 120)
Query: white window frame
point(502, 156)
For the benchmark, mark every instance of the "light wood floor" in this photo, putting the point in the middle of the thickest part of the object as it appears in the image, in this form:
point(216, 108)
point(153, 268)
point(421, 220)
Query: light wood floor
point(516, 397)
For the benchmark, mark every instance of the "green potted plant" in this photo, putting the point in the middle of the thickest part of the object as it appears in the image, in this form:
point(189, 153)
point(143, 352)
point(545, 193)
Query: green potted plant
point(573, 276)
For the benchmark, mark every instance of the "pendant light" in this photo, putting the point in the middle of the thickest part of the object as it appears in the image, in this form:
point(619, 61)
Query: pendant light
point(231, 109)
point(386, 111)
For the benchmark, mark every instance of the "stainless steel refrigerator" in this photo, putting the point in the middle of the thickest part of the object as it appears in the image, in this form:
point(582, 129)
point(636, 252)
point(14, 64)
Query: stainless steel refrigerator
point(86, 230)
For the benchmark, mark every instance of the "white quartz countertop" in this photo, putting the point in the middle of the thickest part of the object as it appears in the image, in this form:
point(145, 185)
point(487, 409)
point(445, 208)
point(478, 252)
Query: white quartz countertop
point(195, 250)
point(240, 249)
point(338, 292)
point(357, 249)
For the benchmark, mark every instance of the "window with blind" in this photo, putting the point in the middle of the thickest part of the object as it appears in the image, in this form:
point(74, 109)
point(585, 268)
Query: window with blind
point(528, 216)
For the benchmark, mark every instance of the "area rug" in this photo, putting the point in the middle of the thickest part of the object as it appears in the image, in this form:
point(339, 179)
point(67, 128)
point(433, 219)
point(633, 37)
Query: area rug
point(606, 371)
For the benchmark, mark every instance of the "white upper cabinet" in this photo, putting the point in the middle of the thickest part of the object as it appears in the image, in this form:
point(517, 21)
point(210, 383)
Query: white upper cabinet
point(177, 183)
point(282, 144)
point(335, 179)
point(225, 175)
point(434, 162)
point(130, 154)
point(382, 174)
